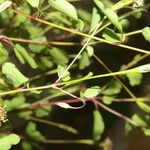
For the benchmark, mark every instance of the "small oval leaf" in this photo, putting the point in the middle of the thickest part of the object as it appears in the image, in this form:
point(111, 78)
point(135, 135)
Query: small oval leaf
point(65, 7)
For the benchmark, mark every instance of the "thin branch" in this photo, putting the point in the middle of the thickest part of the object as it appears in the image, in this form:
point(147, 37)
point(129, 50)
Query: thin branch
point(125, 118)
point(115, 77)
point(79, 141)
point(68, 83)
point(58, 125)
point(47, 43)
point(73, 31)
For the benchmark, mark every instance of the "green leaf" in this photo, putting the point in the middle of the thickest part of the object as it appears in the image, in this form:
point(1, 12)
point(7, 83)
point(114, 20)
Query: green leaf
point(45, 62)
point(145, 107)
point(80, 24)
point(139, 120)
point(44, 111)
point(6, 142)
point(134, 78)
point(122, 4)
point(146, 132)
point(23, 56)
point(3, 54)
point(95, 20)
point(137, 15)
point(113, 17)
point(33, 133)
point(107, 3)
point(84, 60)
point(19, 19)
point(110, 35)
point(65, 7)
point(92, 92)
point(84, 15)
point(19, 56)
point(110, 14)
point(5, 5)
point(13, 74)
point(63, 74)
point(128, 128)
point(25, 114)
point(36, 47)
point(36, 31)
point(14, 103)
point(59, 56)
point(58, 18)
point(136, 58)
point(26, 145)
point(125, 23)
point(90, 50)
point(113, 88)
point(98, 125)
point(146, 33)
point(107, 100)
point(34, 3)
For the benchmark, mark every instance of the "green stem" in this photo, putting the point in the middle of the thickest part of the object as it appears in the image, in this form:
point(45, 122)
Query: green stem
point(59, 125)
point(69, 82)
point(82, 34)
point(43, 42)
point(101, 76)
point(79, 141)
point(51, 72)
point(133, 33)
point(58, 94)
point(124, 16)
point(115, 77)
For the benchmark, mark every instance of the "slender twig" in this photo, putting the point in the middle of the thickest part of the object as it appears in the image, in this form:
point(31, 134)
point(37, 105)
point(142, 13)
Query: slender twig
point(115, 77)
point(73, 31)
point(133, 33)
point(20, 90)
point(124, 16)
point(59, 94)
point(125, 118)
point(72, 101)
point(59, 125)
point(132, 63)
point(42, 42)
point(79, 53)
point(62, 141)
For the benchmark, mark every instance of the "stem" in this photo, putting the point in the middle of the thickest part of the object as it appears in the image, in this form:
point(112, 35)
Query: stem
point(68, 82)
point(59, 94)
point(124, 86)
point(117, 114)
point(82, 49)
point(135, 62)
point(73, 31)
point(59, 125)
point(79, 141)
point(101, 76)
point(124, 16)
point(51, 72)
point(72, 101)
point(133, 33)
point(43, 42)
point(78, 98)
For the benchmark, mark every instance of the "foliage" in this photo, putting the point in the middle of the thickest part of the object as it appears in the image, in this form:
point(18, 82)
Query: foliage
point(48, 48)
point(7, 141)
